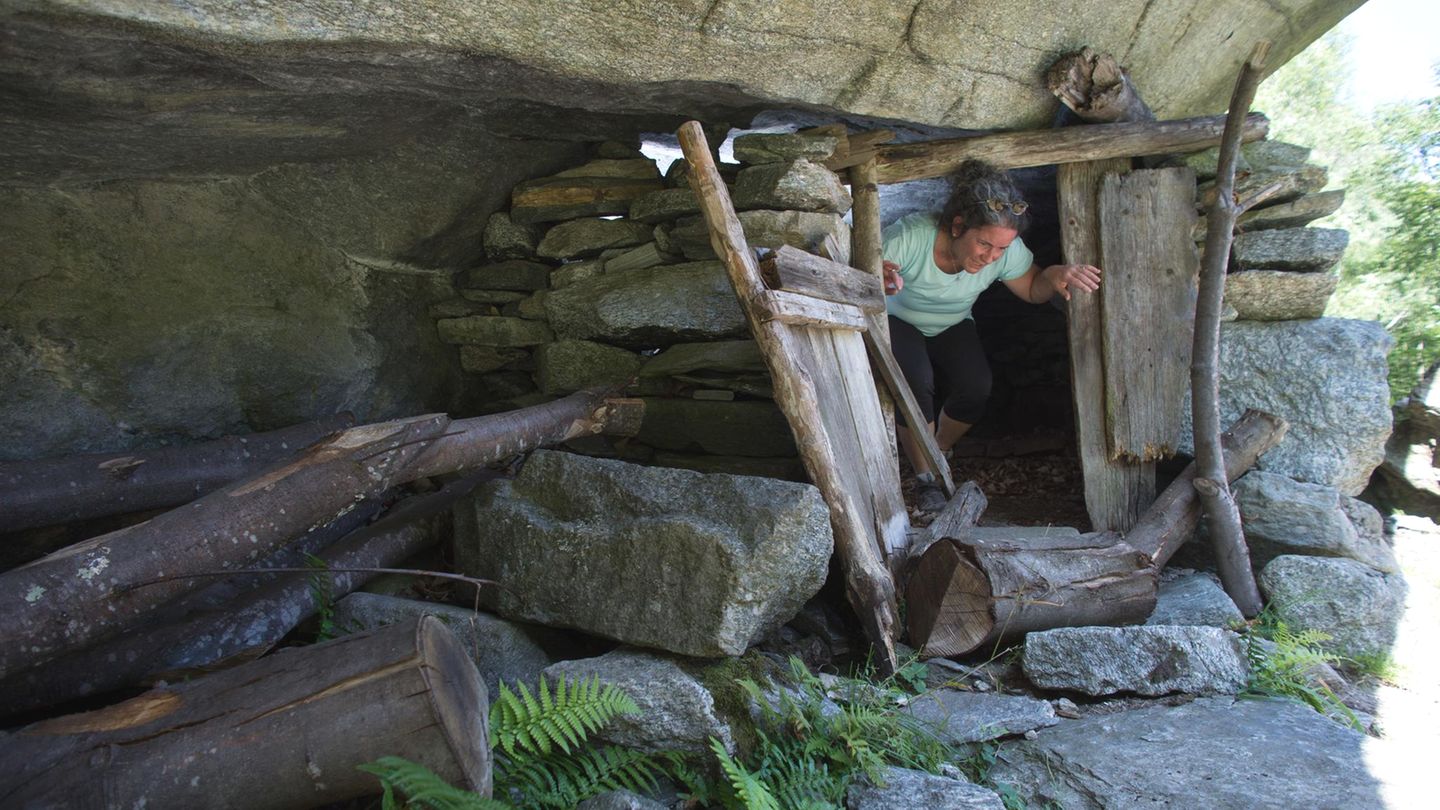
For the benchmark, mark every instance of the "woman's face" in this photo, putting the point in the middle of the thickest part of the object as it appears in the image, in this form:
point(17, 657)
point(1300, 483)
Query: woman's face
point(977, 247)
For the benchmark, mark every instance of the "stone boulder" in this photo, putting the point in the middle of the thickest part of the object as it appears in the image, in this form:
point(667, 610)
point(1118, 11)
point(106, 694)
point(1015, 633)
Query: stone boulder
point(959, 717)
point(505, 238)
point(584, 238)
point(1193, 598)
point(566, 366)
point(748, 428)
point(1293, 214)
point(766, 229)
point(677, 712)
point(502, 651)
point(914, 789)
point(779, 147)
point(651, 307)
point(1284, 516)
point(1148, 660)
point(1278, 295)
point(1357, 606)
point(518, 275)
point(697, 564)
point(1327, 378)
point(1213, 752)
point(482, 330)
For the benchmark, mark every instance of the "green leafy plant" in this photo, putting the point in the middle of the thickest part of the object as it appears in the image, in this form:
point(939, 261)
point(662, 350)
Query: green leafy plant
point(814, 738)
point(542, 754)
point(1284, 666)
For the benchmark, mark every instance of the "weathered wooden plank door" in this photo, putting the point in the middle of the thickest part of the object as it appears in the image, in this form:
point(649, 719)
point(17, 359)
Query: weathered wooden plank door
point(1152, 273)
point(1116, 492)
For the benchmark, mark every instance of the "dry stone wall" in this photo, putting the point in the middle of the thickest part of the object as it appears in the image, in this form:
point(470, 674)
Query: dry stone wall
point(604, 273)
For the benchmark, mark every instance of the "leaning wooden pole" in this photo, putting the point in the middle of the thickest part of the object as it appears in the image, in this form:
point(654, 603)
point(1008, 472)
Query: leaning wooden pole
point(871, 590)
point(50, 491)
point(1232, 554)
point(286, 731)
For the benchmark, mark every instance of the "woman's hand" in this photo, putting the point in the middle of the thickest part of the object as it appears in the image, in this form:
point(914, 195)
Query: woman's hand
point(890, 272)
point(1063, 277)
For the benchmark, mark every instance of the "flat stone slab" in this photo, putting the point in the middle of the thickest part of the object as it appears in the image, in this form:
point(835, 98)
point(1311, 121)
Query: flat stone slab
point(964, 717)
point(650, 307)
point(1269, 754)
point(583, 238)
point(483, 330)
point(566, 366)
point(665, 205)
point(514, 274)
point(766, 229)
point(1278, 295)
point(696, 564)
point(731, 356)
point(1297, 249)
point(1293, 214)
point(779, 147)
point(1148, 660)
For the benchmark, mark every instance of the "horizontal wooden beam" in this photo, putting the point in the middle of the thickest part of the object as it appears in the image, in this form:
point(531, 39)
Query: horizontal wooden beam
point(794, 270)
point(802, 310)
point(1014, 150)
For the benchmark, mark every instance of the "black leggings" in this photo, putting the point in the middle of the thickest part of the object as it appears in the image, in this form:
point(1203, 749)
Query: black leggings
point(953, 360)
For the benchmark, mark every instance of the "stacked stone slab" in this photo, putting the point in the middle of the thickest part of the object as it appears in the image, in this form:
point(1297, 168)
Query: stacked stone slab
point(604, 273)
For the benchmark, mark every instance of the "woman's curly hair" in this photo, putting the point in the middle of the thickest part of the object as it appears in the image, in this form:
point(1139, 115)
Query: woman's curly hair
point(973, 186)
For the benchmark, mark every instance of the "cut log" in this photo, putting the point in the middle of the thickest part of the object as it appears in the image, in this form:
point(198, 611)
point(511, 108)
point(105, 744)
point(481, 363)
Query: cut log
point(966, 593)
point(286, 731)
point(1079, 144)
point(795, 271)
point(959, 514)
point(870, 588)
point(1096, 88)
point(82, 594)
point(46, 492)
point(241, 628)
point(1115, 492)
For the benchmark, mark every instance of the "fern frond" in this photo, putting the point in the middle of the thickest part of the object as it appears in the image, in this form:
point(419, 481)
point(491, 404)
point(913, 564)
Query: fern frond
point(564, 781)
point(422, 788)
point(748, 788)
point(527, 724)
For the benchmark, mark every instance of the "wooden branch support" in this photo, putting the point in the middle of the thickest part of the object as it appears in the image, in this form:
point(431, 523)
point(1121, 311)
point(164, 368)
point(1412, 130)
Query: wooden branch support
point(1079, 144)
point(245, 626)
point(867, 254)
point(796, 271)
point(869, 586)
point(967, 593)
point(81, 594)
point(47, 492)
point(1231, 551)
point(286, 731)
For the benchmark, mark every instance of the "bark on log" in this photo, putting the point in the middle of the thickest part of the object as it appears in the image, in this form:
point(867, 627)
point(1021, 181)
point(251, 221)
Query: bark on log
point(1231, 552)
point(1014, 150)
point(870, 588)
point(1096, 88)
point(82, 594)
point(286, 731)
point(46, 492)
point(239, 629)
point(965, 594)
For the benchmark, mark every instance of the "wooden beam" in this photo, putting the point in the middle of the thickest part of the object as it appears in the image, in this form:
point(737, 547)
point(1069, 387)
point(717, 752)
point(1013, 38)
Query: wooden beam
point(860, 148)
point(1013, 150)
point(795, 271)
point(802, 310)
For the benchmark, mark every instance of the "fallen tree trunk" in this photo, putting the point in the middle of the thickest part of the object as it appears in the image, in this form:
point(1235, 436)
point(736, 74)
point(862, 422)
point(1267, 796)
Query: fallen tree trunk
point(286, 731)
point(85, 593)
point(216, 634)
point(966, 593)
point(46, 492)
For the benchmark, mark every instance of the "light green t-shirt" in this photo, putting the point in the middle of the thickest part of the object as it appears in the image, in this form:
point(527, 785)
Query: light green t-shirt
point(933, 300)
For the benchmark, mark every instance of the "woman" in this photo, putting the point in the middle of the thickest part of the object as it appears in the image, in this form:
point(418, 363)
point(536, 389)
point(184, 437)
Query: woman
point(935, 268)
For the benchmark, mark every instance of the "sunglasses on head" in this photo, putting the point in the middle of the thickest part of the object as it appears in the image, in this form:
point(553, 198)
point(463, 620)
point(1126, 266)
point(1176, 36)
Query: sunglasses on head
point(1017, 207)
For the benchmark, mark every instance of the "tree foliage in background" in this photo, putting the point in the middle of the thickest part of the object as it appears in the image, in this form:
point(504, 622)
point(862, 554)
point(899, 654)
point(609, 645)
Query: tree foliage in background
point(1388, 160)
